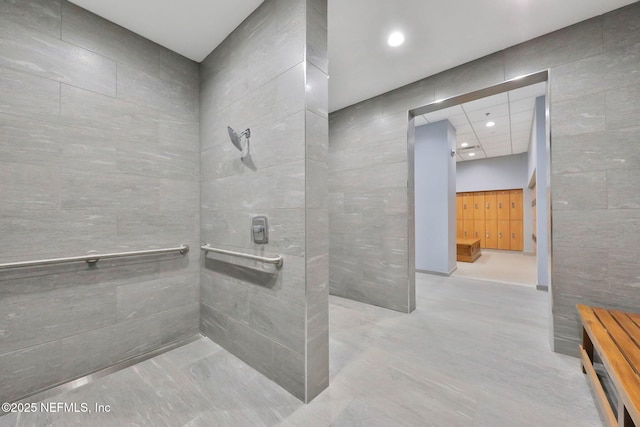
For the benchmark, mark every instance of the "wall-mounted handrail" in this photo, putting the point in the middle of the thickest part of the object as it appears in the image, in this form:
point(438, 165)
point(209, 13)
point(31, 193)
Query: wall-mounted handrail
point(93, 258)
point(278, 261)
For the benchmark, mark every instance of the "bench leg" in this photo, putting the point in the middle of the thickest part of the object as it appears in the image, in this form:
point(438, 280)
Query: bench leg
point(587, 345)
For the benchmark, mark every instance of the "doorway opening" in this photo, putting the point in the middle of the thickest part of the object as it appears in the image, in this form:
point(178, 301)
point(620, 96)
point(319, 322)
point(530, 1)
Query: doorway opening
point(479, 184)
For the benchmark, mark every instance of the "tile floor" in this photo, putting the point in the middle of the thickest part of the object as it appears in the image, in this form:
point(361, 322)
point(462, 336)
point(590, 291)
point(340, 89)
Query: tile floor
point(501, 267)
point(472, 354)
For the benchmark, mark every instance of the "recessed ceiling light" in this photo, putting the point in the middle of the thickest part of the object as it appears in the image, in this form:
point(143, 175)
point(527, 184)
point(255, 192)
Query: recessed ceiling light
point(472, 154)
point(491, 124)
point(395, 39)
point(464, 144)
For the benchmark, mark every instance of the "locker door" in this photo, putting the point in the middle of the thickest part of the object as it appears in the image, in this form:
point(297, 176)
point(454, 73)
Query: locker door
point(515, 205)
point(504, 238)
point(490, 203)
point(459, 206)
point(459, 229)
point(516, 235)
point(467, 229)
point(478, 206)
point(479, 232)
point(491, 234)
point(467, 207)
point(503, 205)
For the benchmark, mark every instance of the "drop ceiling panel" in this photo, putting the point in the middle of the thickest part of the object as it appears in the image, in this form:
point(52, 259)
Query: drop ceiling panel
point(459, 121)
point(522, 117)
point(521, 105)
point(512, 113)
point(486, 114)
point(445, 113)
point(464, 130)
point(524, 126)
point(531, 91)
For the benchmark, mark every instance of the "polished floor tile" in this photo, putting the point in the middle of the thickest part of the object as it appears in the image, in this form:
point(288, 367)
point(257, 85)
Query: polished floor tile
point(501, 267)
point(473, 354)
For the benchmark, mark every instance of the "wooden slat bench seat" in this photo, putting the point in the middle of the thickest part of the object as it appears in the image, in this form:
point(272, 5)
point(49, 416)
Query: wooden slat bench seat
point(610, 354)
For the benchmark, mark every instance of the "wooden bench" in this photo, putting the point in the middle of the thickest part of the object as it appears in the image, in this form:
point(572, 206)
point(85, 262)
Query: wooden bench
point(610, 354)
point(467, 250)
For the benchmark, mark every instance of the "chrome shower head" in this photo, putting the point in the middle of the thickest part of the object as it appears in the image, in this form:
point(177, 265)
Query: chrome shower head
point(235, 138)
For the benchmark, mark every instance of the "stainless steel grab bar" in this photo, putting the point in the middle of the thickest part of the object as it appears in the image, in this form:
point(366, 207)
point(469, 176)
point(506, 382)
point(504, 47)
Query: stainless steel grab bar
point(278, 261)
point(93, 258)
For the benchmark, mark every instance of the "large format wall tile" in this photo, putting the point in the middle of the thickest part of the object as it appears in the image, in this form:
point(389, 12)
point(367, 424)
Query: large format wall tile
point(29, 51)
point(176, 97)
point(579, 115)
point(150, 297)
point(28, 96)
point(83, 28)
point(69, 312)
point(560, 47)
point(43, 16)
point(120, 119)
point(34, 368)
point(621, 28)
point(612, 69)
point(262, 77)
point(584, 190)
point(623, 107)
point(607, 150)
point(29, 186)
point(475, 75)
point(86, 165)
point(31, 234)
point(622, 189)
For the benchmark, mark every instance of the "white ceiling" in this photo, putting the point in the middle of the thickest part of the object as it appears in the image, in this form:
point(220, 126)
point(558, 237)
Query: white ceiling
point(439, 34)
point(193, 28)
point(512, 113)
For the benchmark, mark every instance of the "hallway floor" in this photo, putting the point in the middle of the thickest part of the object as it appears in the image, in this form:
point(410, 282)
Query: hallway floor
point(468, 356)
point(501, 267)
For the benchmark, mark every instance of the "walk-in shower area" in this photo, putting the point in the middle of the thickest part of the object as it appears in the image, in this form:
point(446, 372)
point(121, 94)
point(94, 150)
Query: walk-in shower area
point(135, 221)
point(211, 243)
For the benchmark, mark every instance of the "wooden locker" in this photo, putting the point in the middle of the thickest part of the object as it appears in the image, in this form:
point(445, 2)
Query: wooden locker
point(467, 229)
point(516, 235)
point(504, 236)
point(491, 234)
point(478, 206)
point(490, 204)
point(467, 207)
point(479, 232)
point(515, 205)
point(503, 205)
point(459, 206)
point(459, 229)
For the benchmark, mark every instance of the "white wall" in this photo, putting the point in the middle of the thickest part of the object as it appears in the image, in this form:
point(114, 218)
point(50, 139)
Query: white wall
point(500, 173)
point(435, 198)
point(539, 141)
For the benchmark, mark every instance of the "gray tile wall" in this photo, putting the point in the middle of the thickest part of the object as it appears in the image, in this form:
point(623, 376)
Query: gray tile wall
point(270, 75)
point(99, 149)
point(595, 82)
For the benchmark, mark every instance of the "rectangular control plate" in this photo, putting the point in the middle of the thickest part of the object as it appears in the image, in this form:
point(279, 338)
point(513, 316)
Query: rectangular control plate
point(260, 229)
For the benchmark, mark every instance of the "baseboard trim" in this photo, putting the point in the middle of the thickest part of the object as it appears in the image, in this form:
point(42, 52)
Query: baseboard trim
point(438, 273)
point(48, 392)
point(543, 288)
